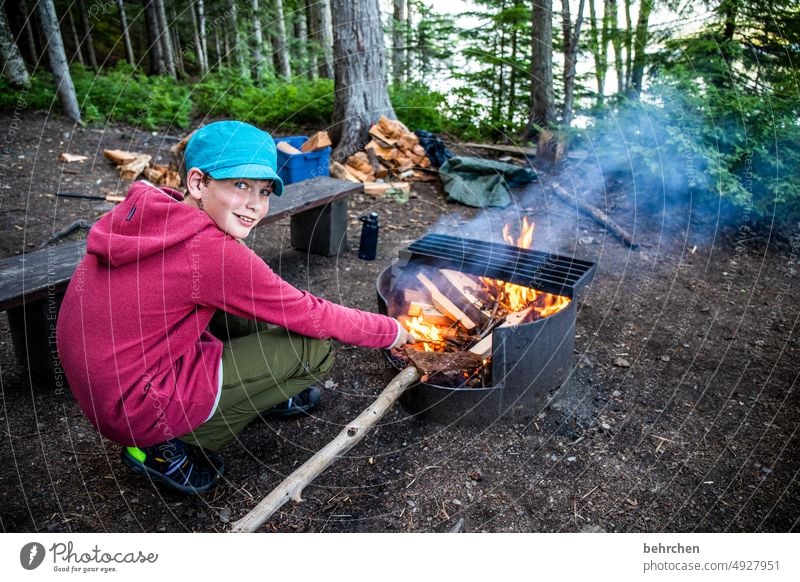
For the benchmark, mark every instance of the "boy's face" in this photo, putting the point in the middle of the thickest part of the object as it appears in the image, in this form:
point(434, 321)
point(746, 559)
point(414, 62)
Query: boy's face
point(235, 205)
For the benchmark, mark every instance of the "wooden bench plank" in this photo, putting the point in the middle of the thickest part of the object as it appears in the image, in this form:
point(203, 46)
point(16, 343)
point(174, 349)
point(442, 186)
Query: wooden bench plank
point(32, 276)
point(308, 194)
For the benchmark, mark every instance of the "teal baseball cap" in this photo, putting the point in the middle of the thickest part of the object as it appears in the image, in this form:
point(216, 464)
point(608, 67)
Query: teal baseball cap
point(233, 149)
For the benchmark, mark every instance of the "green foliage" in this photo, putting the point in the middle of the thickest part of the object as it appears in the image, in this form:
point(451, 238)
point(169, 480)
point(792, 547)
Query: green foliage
point(40, 96)
point(419, 107)
point(277, 105)
point(121, 94)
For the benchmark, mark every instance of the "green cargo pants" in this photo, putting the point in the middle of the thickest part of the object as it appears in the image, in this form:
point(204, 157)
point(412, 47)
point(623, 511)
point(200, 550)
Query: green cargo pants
point(262, 365)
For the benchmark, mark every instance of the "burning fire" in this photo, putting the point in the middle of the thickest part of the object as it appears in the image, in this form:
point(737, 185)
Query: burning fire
point(516, 297)
point(431, 336)
point(503, 299)
point(525, 240)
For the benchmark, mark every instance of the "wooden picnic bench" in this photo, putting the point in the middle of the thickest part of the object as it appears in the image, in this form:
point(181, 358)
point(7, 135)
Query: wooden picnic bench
point(32, 284)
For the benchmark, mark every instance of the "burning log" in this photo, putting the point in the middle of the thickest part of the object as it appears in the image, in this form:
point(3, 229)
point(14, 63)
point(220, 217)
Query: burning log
point(432, 362)
point(428, 313)
point(462, 290)
point(443, 304)
point(483, 348)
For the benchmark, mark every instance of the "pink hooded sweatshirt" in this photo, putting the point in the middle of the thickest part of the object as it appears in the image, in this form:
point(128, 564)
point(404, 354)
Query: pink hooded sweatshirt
point(132, 328)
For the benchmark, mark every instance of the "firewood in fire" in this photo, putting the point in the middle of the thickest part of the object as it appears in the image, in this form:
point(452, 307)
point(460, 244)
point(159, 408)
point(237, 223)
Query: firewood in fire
point(443, 304)
point(447, 330)
point(429, 314)
point(463, 291)
point(429, 362)
point(484, 347)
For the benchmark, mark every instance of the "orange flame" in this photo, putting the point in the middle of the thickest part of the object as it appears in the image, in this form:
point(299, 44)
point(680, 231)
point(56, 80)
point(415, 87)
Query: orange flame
point(525, 240)
point(431, 336)
point(509, 296)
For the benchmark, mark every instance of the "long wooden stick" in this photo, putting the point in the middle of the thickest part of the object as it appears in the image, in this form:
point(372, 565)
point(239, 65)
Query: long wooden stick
point(292, 487)
point(595, 213)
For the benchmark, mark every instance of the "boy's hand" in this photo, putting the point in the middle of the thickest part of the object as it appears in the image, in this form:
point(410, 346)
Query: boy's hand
point(403, 337)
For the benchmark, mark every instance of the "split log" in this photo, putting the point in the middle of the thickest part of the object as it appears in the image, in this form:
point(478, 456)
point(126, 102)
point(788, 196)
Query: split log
point(381, 188)
point(595, 213)
point(318, 141)
point(428, 313)
point(341, 172)
point(131, 170)
point(69, 158)
point(462, 290)
point(292, 487)
point(119, 157)
point(443, 304)
point(287, 148)
point(484, 347)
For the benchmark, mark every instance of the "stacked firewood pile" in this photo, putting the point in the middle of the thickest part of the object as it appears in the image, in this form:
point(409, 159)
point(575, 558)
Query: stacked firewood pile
point(453, 315)
point(131, 165)
point(393, 156)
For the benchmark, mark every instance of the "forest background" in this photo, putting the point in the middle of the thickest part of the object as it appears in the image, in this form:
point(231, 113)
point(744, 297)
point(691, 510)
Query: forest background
point(693, 98)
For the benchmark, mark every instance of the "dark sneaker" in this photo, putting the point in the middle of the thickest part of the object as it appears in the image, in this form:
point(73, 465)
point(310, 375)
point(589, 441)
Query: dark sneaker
point(176, 464)
point(301, 403)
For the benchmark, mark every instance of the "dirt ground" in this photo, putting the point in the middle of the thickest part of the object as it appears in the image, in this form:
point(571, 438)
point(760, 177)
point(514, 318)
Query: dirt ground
point(681, 414)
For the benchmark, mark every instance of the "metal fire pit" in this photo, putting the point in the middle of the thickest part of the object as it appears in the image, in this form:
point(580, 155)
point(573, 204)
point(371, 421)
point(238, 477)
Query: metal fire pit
point(529, 362)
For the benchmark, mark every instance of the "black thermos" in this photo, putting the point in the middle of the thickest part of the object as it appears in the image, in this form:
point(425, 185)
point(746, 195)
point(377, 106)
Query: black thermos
point(369, 237)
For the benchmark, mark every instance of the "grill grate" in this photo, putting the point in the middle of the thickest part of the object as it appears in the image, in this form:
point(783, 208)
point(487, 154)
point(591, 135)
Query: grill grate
point(546, 272)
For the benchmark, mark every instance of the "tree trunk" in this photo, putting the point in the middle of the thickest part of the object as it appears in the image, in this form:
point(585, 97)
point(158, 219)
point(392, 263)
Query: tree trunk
point(628, 45)
point(301, 37)
point(512, 77)
point(409, 64)
point(639, 57)
point(398, 42)
point(320, 30)
point(313, 42)
point(58, 60)
point(176, 41)
point(240, 52)
point(30, 39)
point(611, 24)
point(123, 21)
point(75, 40)
point(542, 100)
point(571, 37)
point(201, 22)
point(282, 47)
point(218, 50)
point(198, 46)
point(154, 49)
point(166, 39)
point(597, 42)
point(13, 66)
point(259, 63)
point(87, 35)
point(359, 74)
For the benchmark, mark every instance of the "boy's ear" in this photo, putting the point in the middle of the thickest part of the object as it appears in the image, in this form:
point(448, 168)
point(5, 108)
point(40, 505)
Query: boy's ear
point(194, 178)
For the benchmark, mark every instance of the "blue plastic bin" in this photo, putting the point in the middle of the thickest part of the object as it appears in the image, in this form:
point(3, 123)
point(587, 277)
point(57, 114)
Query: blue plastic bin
point(299, 167)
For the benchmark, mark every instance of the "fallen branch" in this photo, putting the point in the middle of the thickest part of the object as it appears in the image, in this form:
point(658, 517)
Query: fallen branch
point(595, 213)
point(292, 487)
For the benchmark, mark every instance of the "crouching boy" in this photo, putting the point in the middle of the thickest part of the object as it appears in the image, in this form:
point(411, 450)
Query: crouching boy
point(163, 332)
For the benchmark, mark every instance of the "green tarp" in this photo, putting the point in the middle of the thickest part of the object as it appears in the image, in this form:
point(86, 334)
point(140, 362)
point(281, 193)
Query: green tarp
point(482, 183)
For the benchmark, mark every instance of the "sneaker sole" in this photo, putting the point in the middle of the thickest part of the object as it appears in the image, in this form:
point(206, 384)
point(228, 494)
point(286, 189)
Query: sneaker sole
point(153, 475)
